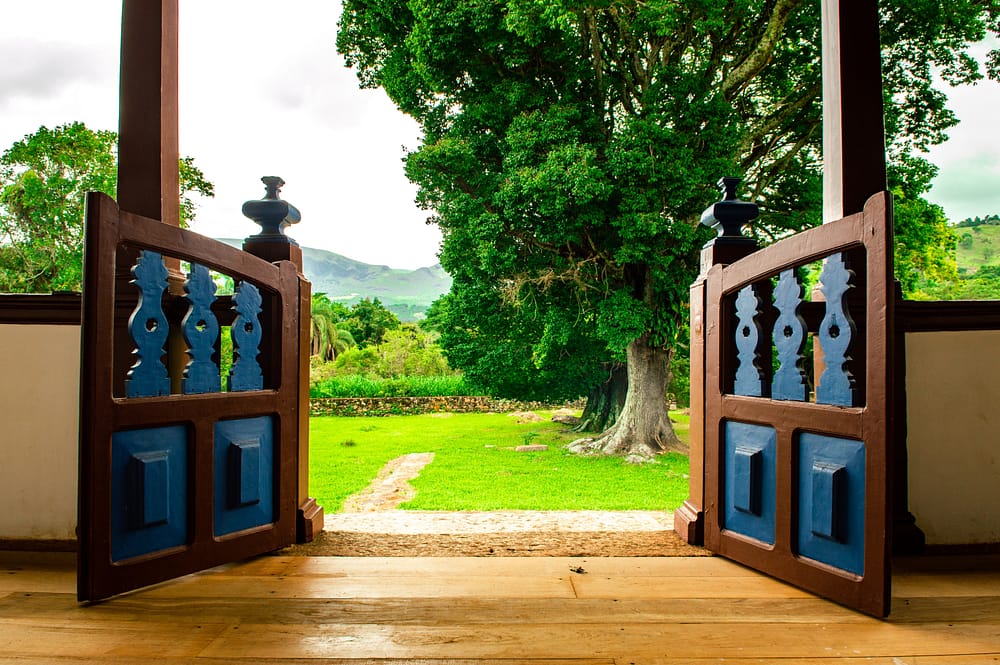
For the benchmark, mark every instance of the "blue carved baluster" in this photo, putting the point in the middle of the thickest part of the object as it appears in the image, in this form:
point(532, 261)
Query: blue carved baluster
point(246, 373)
point(836, 385)
point(789, 338)
point(201, 331)
point(749, 377)
point(148, 328)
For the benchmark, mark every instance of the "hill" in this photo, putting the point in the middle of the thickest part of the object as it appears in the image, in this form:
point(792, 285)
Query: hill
point(406, 293)
point(977, 246)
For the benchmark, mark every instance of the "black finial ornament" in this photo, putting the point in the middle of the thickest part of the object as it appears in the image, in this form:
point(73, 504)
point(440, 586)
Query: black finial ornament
point(730, 215)
point(273, 214)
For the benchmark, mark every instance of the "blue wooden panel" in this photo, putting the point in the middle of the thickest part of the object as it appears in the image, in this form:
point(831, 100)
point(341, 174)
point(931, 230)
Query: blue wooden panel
point(201, 332)
point(829, 496)
point(246, 333)
point(148, 328)
point(749, 379)
point(244, 474)
point(149, 491)
point(789, 337)
point(836, 384)
point(748, 467)
point(747, 446)
point(831, 488)
point(151, 479)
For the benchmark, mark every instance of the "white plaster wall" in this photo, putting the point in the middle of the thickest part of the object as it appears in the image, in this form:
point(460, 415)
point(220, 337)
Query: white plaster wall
point(953, 421)
point(39, 394)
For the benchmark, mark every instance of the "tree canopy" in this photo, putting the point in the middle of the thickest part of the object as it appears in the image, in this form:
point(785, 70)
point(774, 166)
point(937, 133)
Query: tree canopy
point(569, 148)
point(43, 181)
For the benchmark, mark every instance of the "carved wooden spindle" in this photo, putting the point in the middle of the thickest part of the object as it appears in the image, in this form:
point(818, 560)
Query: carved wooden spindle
point(201, 332)
point(836, 384)
point(246, 373)
point(789, 338)
point(148, 328)
point(749, 378)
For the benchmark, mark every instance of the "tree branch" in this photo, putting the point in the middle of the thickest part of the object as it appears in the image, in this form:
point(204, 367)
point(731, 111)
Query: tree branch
point(758, 58)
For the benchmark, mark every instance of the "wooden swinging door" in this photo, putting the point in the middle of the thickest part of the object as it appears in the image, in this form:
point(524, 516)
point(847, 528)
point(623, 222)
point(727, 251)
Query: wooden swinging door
point(796, 466)
point(183, 466)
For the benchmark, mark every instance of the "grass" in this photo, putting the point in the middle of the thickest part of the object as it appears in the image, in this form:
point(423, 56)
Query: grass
point(476, 467)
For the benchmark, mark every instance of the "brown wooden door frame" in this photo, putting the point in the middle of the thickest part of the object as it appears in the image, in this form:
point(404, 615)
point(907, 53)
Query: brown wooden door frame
point(870, 423)
point(102, 412)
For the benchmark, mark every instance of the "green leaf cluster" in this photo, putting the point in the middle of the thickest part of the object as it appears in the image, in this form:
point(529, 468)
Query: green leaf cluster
point(43, 181)
point(570, 146)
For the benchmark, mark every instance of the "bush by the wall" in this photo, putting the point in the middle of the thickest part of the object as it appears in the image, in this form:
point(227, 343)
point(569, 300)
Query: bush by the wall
point(355, 386)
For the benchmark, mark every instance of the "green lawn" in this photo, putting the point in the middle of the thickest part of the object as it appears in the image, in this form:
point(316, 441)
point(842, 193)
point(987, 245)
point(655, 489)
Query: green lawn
point(476, 467)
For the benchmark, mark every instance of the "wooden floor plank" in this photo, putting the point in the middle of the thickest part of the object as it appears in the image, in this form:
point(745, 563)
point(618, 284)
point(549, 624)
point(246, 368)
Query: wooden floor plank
point(498, 567)
point(945, 609)
point(416, 586)
point(493, 612)
point(976, 659)
point(99, 639)
point(55, 608)
point(38, 580)
point(971, 583)
point(595, 586)
point(114, 660)
point(874, 639)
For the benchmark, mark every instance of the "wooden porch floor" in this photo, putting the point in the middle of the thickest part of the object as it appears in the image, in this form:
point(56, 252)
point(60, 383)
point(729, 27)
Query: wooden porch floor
point(474, 611)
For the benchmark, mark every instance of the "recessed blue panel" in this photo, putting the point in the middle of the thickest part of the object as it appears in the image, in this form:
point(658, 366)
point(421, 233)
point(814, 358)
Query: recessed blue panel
point(831, 483)
point(749, 492)
point(149, 471)
point(748, 465)
point(151, 479)
point(244, 474)
point(829, 501)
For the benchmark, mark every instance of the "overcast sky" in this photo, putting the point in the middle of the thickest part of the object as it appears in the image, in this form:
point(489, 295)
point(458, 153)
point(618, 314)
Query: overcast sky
point(263, 92)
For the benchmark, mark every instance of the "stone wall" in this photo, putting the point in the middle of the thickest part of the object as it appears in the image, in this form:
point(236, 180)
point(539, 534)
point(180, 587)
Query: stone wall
point(384, 406)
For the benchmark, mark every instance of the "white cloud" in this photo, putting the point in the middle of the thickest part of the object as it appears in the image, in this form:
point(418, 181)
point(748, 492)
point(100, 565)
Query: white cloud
point(262, 92)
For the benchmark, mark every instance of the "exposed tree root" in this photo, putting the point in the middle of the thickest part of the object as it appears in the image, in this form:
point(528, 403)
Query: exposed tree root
point(643, 428)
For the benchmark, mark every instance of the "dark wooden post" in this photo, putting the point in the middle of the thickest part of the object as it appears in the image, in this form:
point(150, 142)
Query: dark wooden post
point(853, 127)
point(147, 126)
point(271, 244)
point(728, 217)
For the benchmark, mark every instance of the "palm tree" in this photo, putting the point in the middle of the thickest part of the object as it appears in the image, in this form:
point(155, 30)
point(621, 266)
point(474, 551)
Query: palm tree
point(328, 333)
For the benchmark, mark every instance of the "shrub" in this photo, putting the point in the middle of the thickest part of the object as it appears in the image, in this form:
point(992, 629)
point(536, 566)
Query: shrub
point(404, 386)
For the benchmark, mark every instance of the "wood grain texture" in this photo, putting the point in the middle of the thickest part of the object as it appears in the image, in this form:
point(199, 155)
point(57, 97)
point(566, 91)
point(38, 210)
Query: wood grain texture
point(468, 611)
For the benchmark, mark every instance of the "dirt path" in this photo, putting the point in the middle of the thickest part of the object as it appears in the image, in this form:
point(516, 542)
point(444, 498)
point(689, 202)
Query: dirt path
point(391, 486)
point(371, 525)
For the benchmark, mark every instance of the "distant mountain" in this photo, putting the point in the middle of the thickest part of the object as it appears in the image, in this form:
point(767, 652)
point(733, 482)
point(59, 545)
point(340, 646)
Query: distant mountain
point(407, 293)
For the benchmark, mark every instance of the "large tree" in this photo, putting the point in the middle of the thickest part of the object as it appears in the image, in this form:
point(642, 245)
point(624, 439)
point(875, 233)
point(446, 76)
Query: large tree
point(43, 180)
point(570, 146)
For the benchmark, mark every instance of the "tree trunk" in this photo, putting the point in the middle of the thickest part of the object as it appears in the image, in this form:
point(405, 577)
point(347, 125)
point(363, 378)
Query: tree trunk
point(605, 401)
point(643, 428)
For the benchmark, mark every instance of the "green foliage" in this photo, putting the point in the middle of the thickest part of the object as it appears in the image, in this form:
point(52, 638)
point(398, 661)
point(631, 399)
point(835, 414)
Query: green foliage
point(408, 351)
point(369, 321)
point(402, 386)
point(925, 243)
point(329, 331)
point(569, 148)
point(43, 181)
point(476, 468)
point(357, 360)
point(44, 178)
